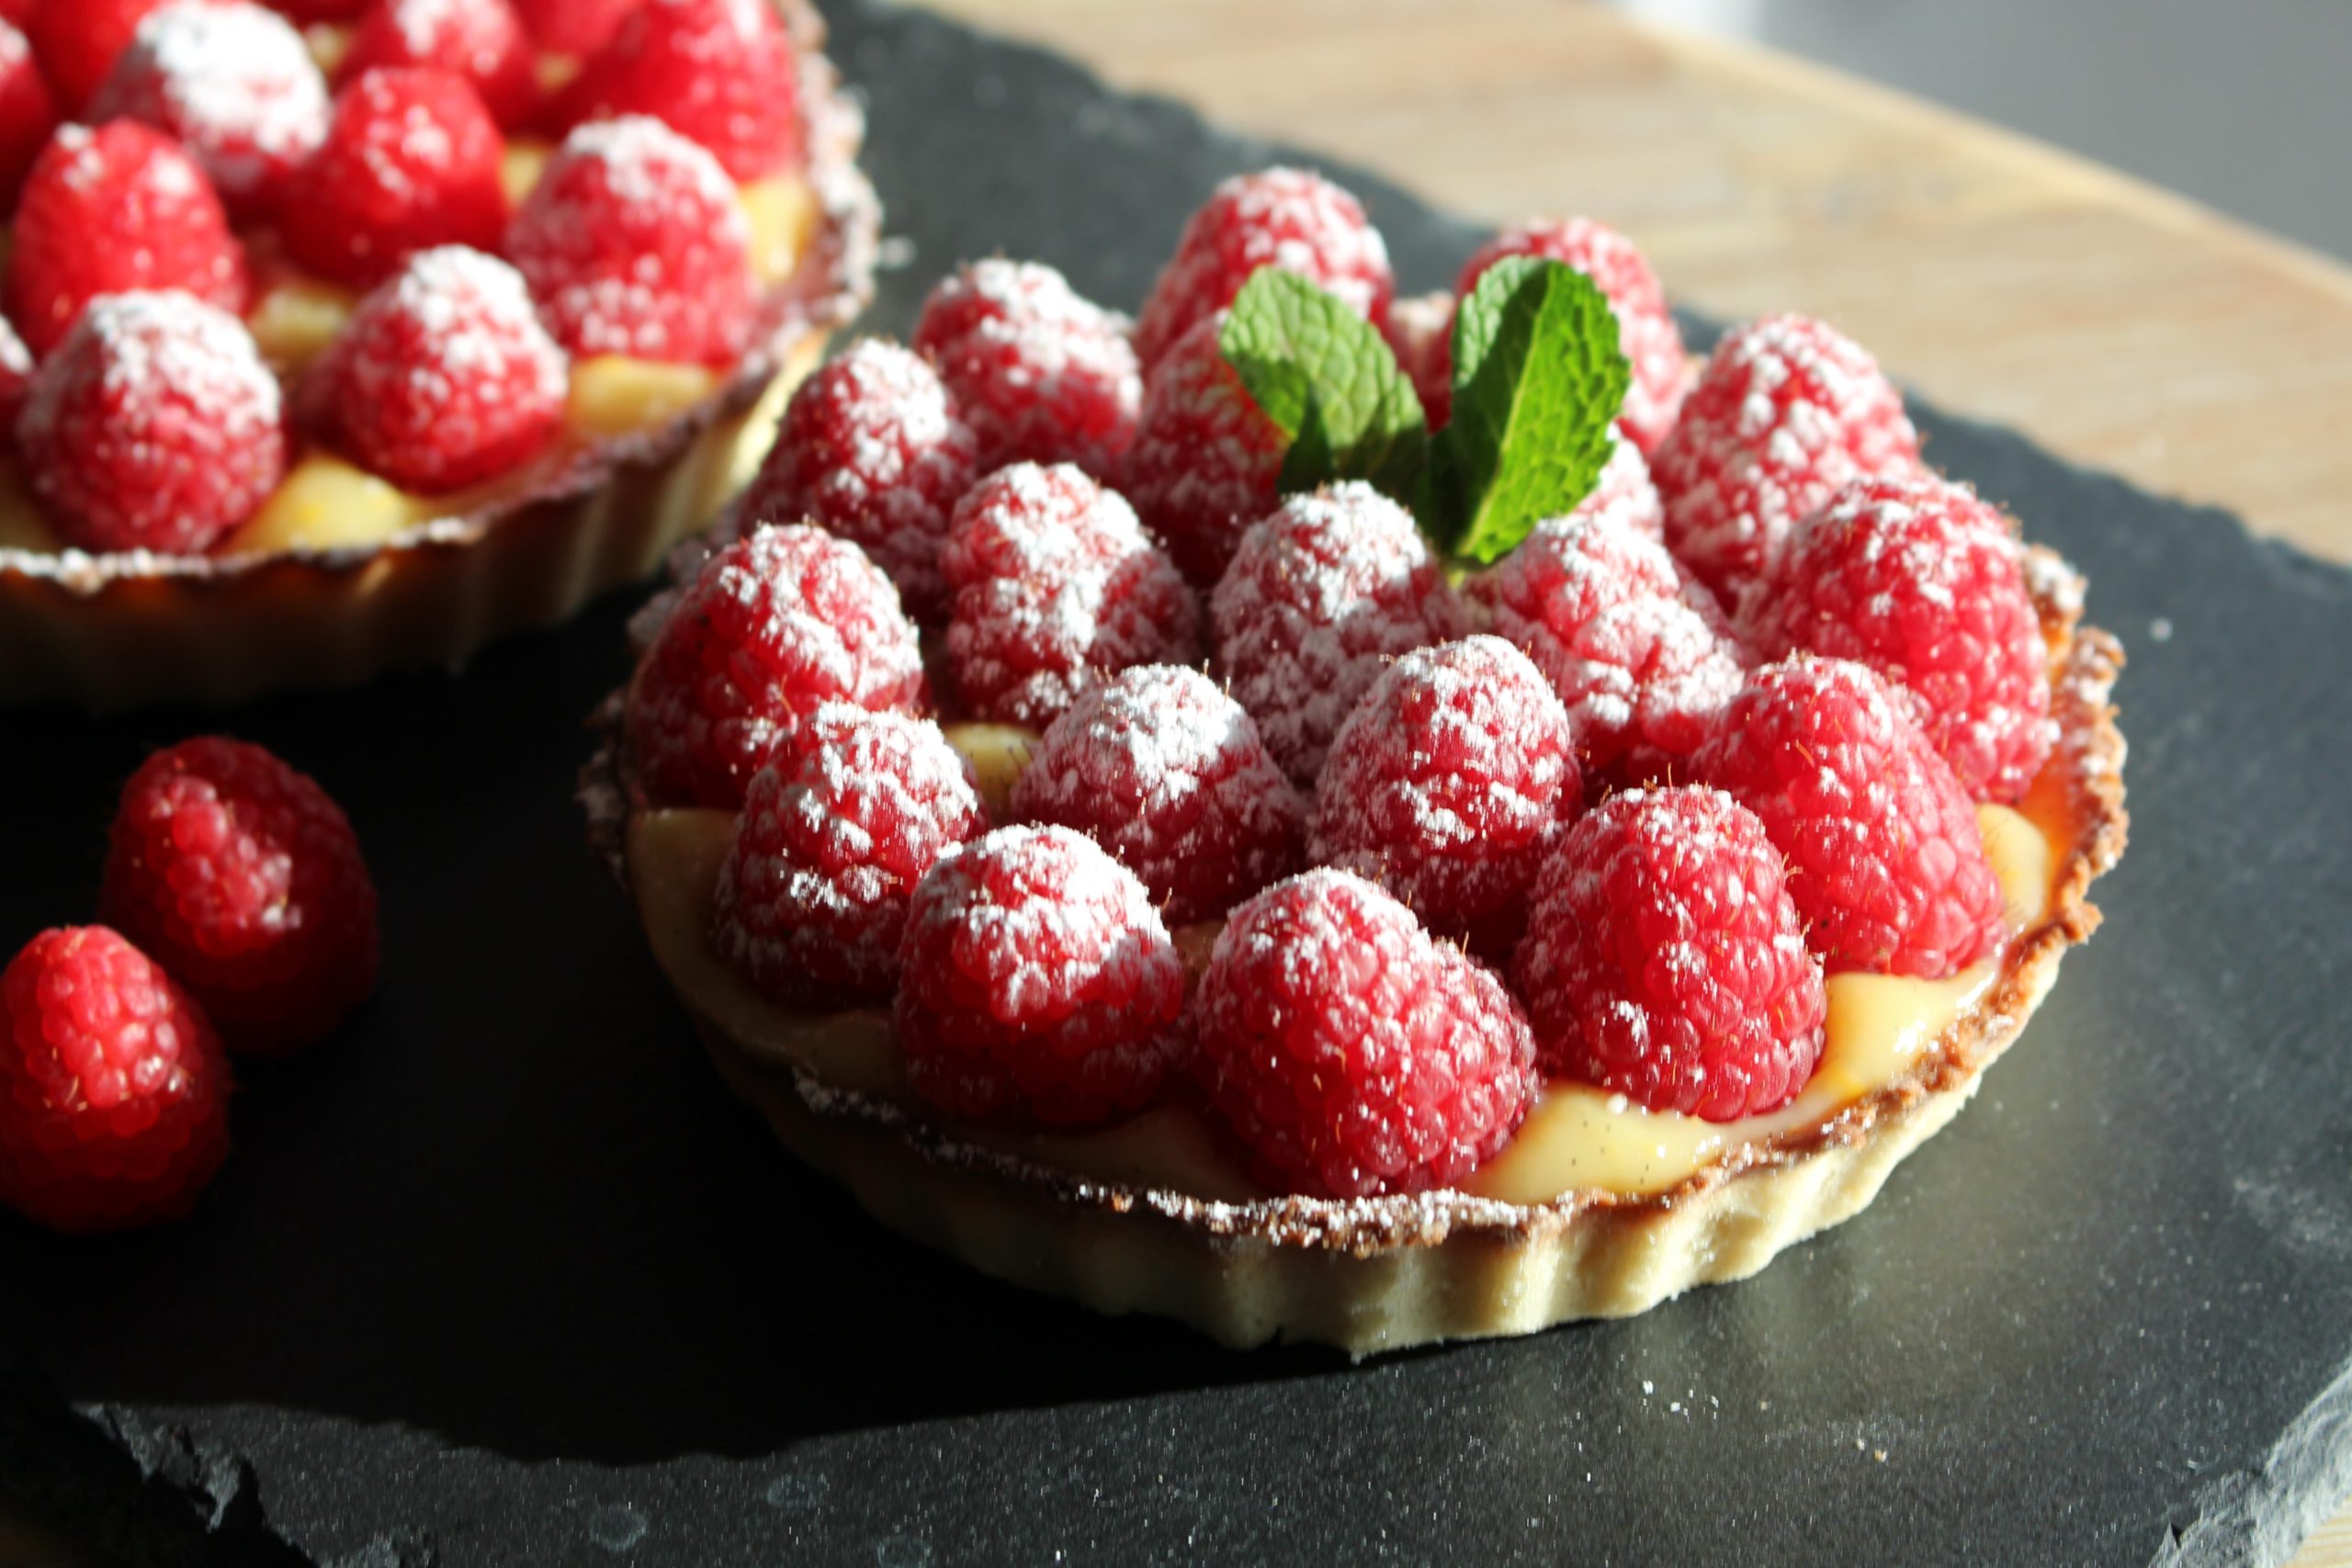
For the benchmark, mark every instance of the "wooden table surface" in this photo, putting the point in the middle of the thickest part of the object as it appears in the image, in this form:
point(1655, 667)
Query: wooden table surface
point(2120, 325)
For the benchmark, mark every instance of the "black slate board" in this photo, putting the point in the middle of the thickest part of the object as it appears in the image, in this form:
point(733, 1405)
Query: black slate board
point(503, 1276)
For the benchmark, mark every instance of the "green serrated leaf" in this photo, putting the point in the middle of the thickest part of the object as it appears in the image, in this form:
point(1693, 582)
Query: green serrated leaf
point(1328, 379)
point(1538, 379)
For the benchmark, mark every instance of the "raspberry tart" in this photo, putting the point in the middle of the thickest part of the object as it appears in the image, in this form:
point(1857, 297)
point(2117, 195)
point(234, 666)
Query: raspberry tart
point(1328, 861)
point(340, 344)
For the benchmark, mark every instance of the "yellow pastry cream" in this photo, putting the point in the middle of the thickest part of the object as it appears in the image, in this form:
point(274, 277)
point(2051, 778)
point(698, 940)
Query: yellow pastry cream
point(1578, 1138)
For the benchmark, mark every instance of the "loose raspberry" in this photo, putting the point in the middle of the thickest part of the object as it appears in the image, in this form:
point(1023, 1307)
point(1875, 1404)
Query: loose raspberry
point(1351, 1052)
point(109, 211)
point(1054, 579)
point(1040, 986)
point(154, 426)
point(27, 113)
point(114, 1095)
point(774, 626)
point(1645, 329)
point(838, 827)
point(412, 160)
point(1642, 657)
point(1206, 459)
point(1317, 596)
point(77, 42)
point(1887, 865)
point(1043, 375)
point(1925, 583)
point(481, 40)
point(445, 376)
point(719, 72)
point(577, 28)
point(1449, 780)
point(1168, 773)
point(1664, 960)
point(233, 83)
point(871, 448)
point(1786, 411)
point(244, 879)
point(635, 243)
point(1285, 217)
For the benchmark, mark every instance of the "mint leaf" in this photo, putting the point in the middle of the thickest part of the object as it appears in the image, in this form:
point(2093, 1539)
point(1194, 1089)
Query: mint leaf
point(1326, 376)
point(1538, 379)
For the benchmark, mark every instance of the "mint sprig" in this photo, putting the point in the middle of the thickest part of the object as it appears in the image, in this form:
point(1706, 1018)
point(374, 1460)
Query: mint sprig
point(1326, 376)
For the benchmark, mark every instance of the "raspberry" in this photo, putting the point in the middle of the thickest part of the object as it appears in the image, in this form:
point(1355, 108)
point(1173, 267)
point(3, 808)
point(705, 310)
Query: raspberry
point(481, 40)
point(1419, 331)
point(28, 114)
point(1350, 1052)
point(107, 212)
point(1053, 581)
point(233, 83)
point(1785, 413)
point(243, 878)
point(114, 1095)
point(719, 72)
point(445, 376)
point(306, 13)
point(1925, 583)
point(1043, 375)
point(15, 381)
point(1168, 773)
point(1317, 595)
point(838, 827)
point(154, 426)
point(773, 625)
point(1664, 960)
point(871, 449)
point(410, 161)
point(574, 27)
point(1040, 986)
point(1887, 865)
point(1641, 657)
point(635, 243)
point(1449, 781)
point(77, 41)
point(1645, 329)
point(1206, 459)
point(1284, 218)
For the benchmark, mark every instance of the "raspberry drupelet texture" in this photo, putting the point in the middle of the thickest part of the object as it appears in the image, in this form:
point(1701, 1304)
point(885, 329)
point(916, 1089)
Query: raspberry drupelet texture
point(1786, 411)
point(1351, 1052)
point(1449, 782)
point(719, 72)
point(1206, 459)
point(1925, 583)
point(1042, 374)
point(1285, 217)
point(27, 113)
point(1054, 581)
point(481, 40)
point(445, 376)
point(1040, 986)
point(838, 827)
point(243, 878)
point(871, 448)
point(1664, 959)
point(1642, 657)
point(114, 1094)
point(412, 160)
point(1317, 596)
point(575, 28)
point(1168, 773)
point(112, 211)
point(233, 85)
point(1645, 329)
point(773, 626)
point(634, 242)
point(154, 426)
point(1887, 864)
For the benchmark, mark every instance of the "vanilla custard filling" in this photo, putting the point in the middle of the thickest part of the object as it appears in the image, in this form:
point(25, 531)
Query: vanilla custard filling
point(1578, 1138)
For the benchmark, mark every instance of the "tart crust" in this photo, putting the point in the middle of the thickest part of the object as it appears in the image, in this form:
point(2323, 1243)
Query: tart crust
point(1386, 1273)
point(117, 630)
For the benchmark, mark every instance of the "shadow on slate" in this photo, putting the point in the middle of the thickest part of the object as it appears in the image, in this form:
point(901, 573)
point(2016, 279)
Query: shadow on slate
point(503, 1276)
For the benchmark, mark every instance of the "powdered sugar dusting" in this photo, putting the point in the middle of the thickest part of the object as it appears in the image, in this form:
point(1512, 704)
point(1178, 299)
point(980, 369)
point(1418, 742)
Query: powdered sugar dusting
point(1042, 374)
point(233, 83)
